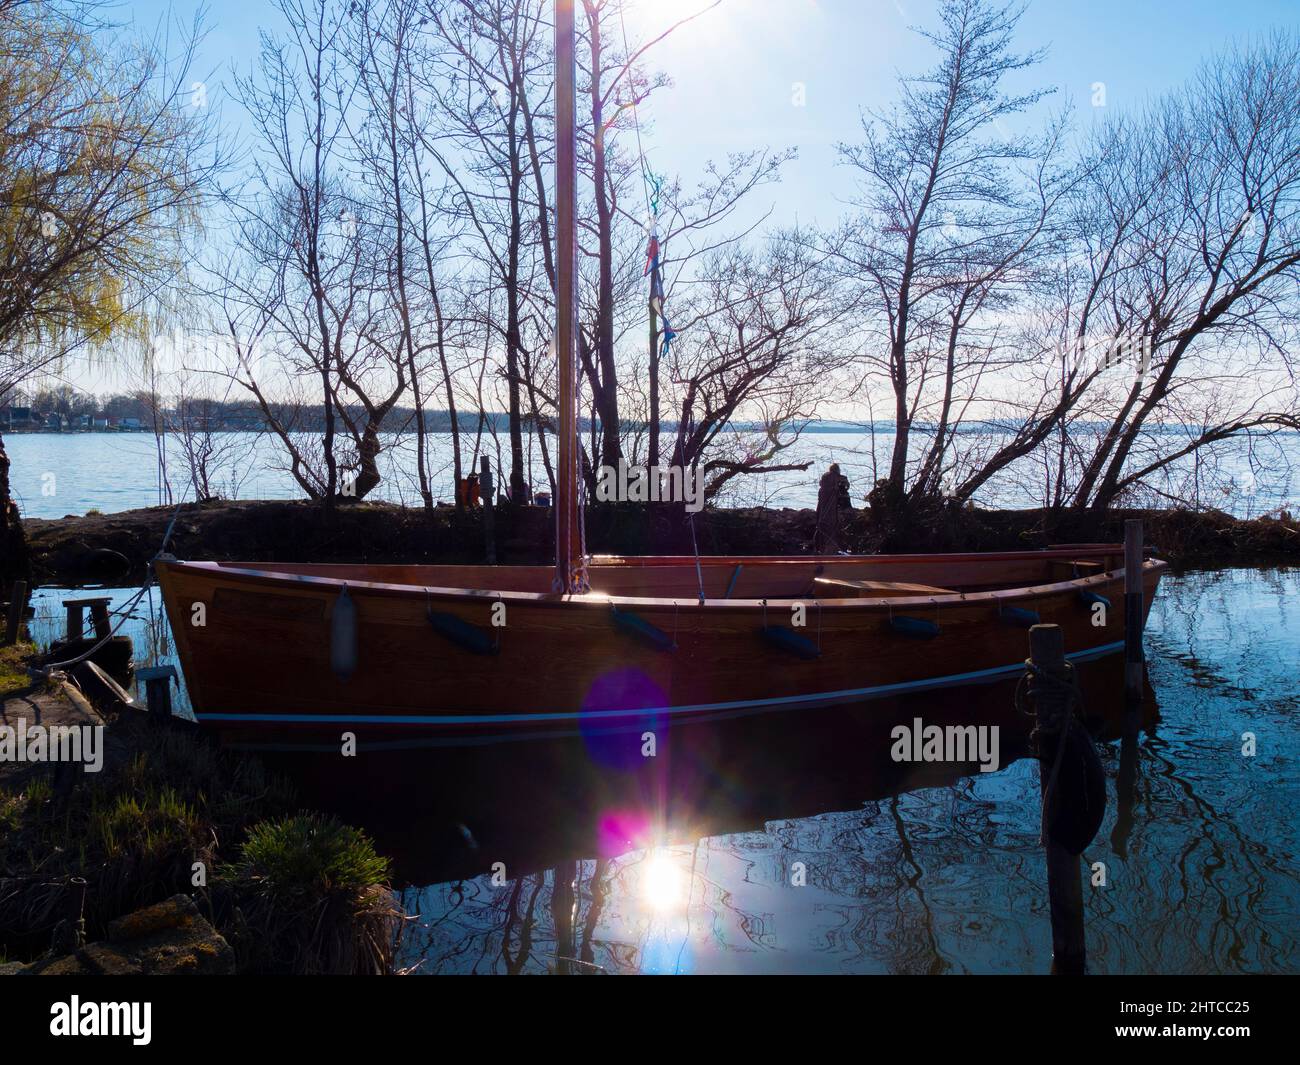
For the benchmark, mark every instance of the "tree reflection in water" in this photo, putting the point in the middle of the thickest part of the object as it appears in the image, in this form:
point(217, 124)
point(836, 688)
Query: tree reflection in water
point(918, 869)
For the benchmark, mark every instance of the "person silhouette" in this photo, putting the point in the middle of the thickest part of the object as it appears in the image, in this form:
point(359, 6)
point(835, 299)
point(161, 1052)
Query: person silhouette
point(832, 500)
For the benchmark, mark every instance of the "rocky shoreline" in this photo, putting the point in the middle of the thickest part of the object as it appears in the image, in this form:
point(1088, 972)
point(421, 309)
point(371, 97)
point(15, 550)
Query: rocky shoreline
point(102, 548)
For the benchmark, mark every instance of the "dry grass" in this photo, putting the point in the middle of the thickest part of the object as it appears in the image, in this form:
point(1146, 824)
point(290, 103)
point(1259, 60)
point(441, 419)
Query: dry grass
point(297, 894)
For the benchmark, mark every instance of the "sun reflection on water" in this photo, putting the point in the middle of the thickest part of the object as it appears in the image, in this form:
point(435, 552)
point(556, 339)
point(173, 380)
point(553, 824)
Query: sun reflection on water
point(662, 883)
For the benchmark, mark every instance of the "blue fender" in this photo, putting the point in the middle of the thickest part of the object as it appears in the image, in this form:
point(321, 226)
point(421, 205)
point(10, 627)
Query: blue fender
point(916, 628)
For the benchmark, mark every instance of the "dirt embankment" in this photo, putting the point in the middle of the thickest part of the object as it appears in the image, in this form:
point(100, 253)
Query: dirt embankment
point(117, 546)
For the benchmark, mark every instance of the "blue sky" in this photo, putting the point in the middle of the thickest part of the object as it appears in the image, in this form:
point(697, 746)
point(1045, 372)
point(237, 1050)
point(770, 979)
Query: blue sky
point(736, 67)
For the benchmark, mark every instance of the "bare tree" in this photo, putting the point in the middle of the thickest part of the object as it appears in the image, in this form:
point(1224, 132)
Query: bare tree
point(487, 70)
point(1209, 273)
point(941, 223)
point(761, 335)
point(315, 254)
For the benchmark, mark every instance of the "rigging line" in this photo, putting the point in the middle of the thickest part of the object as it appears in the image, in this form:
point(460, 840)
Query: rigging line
point(50, 667)
point(654, 267)
point(636, 119)
point(699, 576)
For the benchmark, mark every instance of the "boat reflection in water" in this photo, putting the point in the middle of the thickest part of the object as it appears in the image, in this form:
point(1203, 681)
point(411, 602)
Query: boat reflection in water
point(590, 854)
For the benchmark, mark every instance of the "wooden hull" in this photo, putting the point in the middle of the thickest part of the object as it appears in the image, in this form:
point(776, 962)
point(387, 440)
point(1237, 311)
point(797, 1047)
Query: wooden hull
point(772, 634)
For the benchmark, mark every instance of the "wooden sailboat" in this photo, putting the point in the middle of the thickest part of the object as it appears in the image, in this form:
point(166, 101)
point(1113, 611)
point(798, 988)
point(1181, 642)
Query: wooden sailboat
point(638, 647)
point(611, 643)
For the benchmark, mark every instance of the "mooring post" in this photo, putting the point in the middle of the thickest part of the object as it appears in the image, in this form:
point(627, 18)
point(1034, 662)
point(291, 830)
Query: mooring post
point(98, 608)
point(1132, 617)
point(74, 629)
point(158, 689)
point(1052, 709)
point(99, 616)
point(489, 508)
point(14, 616)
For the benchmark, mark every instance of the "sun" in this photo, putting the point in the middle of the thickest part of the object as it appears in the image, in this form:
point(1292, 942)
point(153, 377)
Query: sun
point(650, 17)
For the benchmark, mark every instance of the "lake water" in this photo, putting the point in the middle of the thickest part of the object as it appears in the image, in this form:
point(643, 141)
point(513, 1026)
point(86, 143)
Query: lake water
point(55, 474)
point(689, 862)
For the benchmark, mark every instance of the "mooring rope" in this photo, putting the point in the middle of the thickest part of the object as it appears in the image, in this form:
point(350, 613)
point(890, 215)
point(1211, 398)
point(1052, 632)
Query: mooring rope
point(125, 610)
point(1056, 720)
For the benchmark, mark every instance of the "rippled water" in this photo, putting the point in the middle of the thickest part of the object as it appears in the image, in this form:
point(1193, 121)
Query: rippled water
point(1201, 868)
point(687, 862)
point(69, 473)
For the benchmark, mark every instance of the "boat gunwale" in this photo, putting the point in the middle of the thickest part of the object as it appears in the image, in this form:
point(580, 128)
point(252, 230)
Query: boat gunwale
point(599, 599)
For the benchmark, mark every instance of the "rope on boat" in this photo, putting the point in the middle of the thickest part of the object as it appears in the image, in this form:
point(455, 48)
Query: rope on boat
point(699, 574)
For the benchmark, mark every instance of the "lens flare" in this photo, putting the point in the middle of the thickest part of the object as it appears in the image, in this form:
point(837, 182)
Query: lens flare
point(662, 883)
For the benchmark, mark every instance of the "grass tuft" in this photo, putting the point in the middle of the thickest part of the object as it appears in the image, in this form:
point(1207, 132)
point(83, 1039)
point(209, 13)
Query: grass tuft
point(311, 854)
point(311, 896)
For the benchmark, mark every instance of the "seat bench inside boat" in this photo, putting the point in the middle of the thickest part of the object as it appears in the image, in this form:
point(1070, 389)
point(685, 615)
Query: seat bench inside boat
point(745, 578)
point(846, 588)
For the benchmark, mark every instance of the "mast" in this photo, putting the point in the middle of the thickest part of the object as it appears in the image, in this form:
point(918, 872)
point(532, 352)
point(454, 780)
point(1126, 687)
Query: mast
point(570, 577)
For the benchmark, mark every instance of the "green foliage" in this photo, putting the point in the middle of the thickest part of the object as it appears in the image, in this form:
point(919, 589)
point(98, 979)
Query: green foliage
point(133, 831)
point(99, 185)
point(309, 896)
point(13, 668)
point(310, 854)
point(306, 893)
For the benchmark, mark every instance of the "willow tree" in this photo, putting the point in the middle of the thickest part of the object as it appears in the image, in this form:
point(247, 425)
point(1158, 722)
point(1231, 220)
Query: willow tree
point(101, 168)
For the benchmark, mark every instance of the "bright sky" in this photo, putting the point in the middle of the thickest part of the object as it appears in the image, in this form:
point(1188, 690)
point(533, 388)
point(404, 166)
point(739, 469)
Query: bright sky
point(781, 73)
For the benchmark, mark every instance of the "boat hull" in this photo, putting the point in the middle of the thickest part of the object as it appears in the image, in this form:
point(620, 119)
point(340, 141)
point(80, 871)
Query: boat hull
point(258, 644)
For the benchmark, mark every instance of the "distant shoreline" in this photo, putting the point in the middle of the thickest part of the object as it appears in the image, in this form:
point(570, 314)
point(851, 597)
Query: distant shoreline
point(445, 430)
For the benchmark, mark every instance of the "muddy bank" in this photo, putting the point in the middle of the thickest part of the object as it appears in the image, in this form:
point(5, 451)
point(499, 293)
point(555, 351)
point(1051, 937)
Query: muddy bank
point(101, 851)
point(112, 547)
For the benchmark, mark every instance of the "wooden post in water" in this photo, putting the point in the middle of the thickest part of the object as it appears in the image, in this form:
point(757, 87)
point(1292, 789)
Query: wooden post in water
point(1064, 870)
point(14, 617)
point(157, 682)
point(489, 507)
point(72, 607)
point(1132, 615)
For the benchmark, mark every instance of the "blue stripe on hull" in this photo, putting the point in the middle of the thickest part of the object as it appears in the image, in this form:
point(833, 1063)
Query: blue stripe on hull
point(847, 695)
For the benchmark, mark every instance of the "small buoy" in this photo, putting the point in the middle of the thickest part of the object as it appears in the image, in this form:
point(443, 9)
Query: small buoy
point(343, 636)
point(917, 628)
point(1079, 802)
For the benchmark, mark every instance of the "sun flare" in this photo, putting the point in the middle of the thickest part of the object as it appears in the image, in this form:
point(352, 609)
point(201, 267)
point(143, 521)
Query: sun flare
point(662, 883)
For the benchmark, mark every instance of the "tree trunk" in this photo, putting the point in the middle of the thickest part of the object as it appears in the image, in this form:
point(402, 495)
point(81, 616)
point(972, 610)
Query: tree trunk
point(13, 544)
point(606, 397)
point(654, 387)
